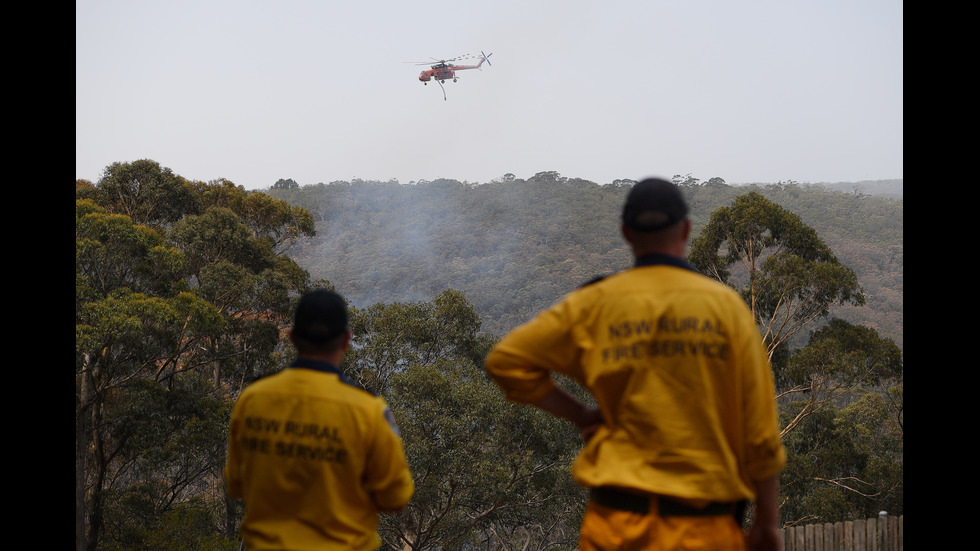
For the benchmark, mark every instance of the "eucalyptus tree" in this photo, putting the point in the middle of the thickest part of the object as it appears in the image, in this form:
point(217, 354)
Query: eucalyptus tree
point(787, 275)
point(182, 289)
point(790, 279)
point(391, 338)
point(132, 323)
point(489, 475)
point(841, 409)
point(844, 462)
point(271, 220)
point(149, 194)
point(838, 358)
point(285, 183)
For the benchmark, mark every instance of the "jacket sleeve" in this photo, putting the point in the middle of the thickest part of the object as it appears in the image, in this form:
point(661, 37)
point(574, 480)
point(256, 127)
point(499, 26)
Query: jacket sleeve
point(764, 454)
point(522, 362)
point(388, 478)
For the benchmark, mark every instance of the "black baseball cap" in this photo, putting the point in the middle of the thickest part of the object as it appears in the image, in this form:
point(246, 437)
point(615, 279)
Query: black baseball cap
point(321, 315)
point(653, 204)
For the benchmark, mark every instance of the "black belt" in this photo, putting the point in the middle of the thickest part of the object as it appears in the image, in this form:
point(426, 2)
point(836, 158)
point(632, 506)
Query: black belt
point(666, 507)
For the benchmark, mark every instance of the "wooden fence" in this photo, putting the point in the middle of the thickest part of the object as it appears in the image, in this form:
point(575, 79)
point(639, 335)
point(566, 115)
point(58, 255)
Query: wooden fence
point(885, 533)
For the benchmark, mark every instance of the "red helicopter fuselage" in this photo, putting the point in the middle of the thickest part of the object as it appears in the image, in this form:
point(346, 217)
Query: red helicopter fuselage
point(445, 71)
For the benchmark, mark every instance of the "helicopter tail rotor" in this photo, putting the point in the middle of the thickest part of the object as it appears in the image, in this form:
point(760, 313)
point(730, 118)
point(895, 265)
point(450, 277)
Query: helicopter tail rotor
point(487, 58)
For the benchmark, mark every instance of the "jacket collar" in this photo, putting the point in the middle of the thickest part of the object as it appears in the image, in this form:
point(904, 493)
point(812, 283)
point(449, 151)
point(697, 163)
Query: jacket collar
point(658, 259)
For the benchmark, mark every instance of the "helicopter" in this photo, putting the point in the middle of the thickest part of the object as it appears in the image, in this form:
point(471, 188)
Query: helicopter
point(444, 70)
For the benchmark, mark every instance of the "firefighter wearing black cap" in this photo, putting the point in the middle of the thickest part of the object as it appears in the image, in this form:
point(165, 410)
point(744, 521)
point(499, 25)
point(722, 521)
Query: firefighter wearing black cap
point(685, 433)
point(314, 457)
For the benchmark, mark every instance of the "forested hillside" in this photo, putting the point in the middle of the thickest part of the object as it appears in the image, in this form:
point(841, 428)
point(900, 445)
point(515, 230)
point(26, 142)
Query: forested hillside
point(183, 290)
point(515, 246)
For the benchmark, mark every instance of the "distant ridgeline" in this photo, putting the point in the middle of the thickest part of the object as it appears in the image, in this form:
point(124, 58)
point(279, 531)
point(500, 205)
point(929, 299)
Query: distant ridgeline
point(885, 188)
point(514, 246)
point(891, 189)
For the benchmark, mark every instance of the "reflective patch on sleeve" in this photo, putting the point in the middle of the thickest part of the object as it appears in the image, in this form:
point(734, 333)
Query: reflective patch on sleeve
point(391, 421)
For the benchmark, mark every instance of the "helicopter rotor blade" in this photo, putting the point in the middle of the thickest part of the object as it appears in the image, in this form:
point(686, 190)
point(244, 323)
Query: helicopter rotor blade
point(435, 61)
point(457, 58)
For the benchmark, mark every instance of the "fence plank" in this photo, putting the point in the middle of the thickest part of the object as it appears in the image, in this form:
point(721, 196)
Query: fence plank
point(837, 535)
point(882, 536)
point(901, 533)
point(884, 533)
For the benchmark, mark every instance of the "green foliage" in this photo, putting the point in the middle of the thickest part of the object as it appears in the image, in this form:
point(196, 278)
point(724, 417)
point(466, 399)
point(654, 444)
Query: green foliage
point(787, 275)
point(515, 246)
point(843, 463)
point(481, 466)
point(180, 297)
point(844, 435)
point(130, 334)
point(188, 526)
point(839, 359)
point(218, 235)
point(163, 439)
point(183, 288)
point(285, 183)
point(846, 353)
point(112, 252)
point(389, 338)
point(146, 192)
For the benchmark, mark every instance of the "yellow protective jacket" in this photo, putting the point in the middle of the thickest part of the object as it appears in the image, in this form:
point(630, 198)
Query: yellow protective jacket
point(678, 368)
point(315, 459)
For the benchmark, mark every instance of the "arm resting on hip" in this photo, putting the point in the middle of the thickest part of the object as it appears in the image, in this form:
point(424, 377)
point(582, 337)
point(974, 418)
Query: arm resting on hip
point(562, 404)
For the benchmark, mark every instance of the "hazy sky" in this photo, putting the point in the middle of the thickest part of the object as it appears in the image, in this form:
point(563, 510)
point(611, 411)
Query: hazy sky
point(319, 91)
